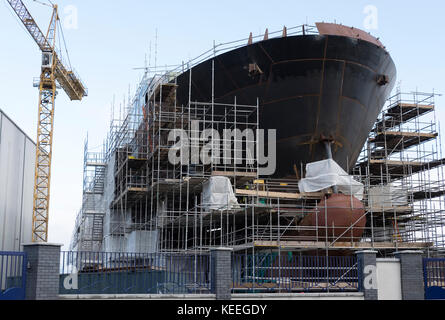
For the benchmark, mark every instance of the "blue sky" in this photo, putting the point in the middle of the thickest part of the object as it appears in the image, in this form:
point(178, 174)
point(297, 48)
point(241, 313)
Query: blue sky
point(113, 37)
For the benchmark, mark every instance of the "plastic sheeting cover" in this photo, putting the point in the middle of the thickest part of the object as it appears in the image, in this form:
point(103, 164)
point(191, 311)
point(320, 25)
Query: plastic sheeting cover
point(218, 194)
point(387, 196)
point(326, 174)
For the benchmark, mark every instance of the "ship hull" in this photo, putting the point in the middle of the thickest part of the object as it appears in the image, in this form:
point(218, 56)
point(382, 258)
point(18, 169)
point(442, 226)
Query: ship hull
point(311, 89)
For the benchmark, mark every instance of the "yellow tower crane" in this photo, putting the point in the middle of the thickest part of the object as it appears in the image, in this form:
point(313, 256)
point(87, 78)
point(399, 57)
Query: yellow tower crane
point(53, 73)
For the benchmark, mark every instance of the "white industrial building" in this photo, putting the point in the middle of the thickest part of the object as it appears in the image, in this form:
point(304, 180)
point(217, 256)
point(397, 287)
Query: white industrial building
point(17, 160)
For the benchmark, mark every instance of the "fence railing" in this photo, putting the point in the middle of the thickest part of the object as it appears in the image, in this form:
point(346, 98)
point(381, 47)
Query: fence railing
point(434, 278)
point(134, 273)
point(293, 273)
point(12, 275)
point(167, 273)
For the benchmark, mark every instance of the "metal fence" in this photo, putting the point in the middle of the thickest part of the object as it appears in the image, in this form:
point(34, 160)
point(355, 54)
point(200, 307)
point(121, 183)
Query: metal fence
point(12, 275)
point(434, 277)
point(134, 273)
point(293, 273)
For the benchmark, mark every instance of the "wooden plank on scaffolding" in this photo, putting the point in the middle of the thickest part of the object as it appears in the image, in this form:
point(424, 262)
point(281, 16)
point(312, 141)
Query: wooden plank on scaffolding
point(234, 173)
point(396, 163)
point(241, 177)
point(280, 195)
point(389, 210)
point(401, 112)
point(398, 168)
point(341, 245)
point(399, 134)
point(396, 108)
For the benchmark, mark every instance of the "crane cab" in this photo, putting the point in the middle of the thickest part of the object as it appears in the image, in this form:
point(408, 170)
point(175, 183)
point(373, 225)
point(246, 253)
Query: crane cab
point(47, 59)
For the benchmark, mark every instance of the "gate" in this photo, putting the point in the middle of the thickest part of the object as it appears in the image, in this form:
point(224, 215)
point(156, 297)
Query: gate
point(434, 277)
point(12, 275)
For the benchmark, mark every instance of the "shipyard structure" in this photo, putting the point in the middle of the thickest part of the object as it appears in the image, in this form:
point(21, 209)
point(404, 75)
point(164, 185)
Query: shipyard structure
point(17, 159)
point(289, 144)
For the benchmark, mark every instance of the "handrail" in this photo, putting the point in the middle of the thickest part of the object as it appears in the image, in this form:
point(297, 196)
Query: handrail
point(220, 48)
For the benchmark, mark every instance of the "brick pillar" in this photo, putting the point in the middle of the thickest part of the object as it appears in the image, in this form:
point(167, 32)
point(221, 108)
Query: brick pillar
point(222, 273)
point(367, 273)
point(411, 272)
point(42, 282)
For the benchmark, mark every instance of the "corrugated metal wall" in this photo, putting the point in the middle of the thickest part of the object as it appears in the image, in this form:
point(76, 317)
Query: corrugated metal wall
point(17, 159)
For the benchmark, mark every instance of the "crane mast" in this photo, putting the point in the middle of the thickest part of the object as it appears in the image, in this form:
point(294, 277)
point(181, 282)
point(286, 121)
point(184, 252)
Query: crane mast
point(53, 72)
point(45, 129)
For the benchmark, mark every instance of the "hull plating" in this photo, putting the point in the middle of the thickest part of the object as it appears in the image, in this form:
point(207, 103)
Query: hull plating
point(310, 88)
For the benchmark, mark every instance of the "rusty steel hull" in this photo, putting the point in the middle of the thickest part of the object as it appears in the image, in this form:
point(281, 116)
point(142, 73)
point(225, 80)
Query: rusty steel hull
point(339, 218)
point(310, 88)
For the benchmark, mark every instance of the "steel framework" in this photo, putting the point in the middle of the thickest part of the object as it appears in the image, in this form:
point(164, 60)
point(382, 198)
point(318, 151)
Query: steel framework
point(153, 205)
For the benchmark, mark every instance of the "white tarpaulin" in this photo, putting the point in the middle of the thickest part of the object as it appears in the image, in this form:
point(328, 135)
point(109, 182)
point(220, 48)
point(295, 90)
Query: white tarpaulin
point(218, 194)
point(387, 196)
point(326, 174)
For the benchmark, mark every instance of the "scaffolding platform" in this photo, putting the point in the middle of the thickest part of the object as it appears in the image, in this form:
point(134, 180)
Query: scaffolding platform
point(190, 184)
point(398, 210)
point(396, 141)
point(399, 167)
point(240, 177)
point(401, 112)
point(429, 194)
point(280, 195)
point(294, 245)
point(129, 195)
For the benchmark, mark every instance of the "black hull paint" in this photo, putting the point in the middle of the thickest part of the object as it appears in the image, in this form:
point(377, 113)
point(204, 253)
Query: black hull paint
point(309, 87)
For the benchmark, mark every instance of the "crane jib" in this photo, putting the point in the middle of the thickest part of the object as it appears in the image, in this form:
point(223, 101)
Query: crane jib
point(68, 80)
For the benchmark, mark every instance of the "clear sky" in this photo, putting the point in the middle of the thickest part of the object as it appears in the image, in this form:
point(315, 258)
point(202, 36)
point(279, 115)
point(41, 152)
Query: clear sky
point(112, 37)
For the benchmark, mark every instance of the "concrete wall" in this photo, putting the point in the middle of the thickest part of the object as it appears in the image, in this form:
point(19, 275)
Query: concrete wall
point(258, 297)
point(389, 279)
point(17, 160)
point(299, 296)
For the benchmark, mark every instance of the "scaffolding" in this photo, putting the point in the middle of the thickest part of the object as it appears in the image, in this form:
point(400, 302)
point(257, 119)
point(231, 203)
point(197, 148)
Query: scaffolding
point(88, 230)
point(158, 199)
point(403, 170)
point(160, 160)
point(158, 206)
